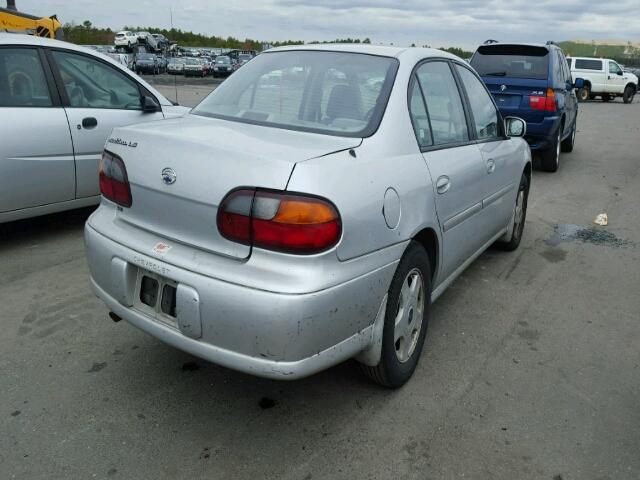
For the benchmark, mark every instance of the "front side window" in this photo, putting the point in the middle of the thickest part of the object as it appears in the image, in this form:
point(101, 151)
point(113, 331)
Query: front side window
point(444, 105)
point(22, 80)
point(90, 83)
point(485, 115)
point(326, 92)
point(614, 68)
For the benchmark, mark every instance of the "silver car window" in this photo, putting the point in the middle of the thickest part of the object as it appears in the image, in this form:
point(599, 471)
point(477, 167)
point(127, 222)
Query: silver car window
point(90, 83)
point(325, 92)
point(485, 115)
point(444, 106)
point(419, 117)
point(22, 80)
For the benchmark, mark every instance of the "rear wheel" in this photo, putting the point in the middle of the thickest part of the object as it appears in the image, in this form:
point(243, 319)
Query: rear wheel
point(550, 158)
point(629, 93)
point(406, 319)
point(567, 143)
point(584, 94)
point(519, 217)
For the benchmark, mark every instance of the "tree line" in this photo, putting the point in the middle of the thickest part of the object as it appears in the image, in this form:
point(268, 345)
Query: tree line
point(86, 33)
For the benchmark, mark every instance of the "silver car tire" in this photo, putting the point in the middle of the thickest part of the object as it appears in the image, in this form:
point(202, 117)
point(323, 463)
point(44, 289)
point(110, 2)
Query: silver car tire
point(512, 240)
point(406, 319)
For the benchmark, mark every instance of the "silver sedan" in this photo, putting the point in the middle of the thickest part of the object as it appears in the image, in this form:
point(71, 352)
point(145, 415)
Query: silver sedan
point(309, 210)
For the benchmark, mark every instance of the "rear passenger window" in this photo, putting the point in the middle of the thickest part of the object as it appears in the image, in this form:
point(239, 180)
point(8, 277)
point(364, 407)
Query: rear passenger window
point(419, 116)
point(485, 115)
point(444, 106)
point(584, 64)
point(22, 79)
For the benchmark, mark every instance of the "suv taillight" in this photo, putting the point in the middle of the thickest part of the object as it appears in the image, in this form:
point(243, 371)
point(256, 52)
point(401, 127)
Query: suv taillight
point(280, 221)
point(546, 103)
point(114, 184)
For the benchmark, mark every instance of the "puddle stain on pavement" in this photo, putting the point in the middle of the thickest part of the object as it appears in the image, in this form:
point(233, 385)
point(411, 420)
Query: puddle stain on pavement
point(566, 232)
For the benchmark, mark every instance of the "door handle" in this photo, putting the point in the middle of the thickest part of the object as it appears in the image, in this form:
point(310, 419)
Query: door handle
point(89, 122)
point(491, 165)
point(443, 184)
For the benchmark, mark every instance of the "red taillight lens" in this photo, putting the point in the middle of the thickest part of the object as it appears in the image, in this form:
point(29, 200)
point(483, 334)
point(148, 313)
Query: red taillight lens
point(279, 221)
point(114, 184)
point(546, 103)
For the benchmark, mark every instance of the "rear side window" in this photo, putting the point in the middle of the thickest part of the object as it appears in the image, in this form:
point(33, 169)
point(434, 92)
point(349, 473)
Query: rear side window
point(485, 115)
point(585, 64)
point(520, 61)
point(22, 79)
point(419, 117)
point(444, 106)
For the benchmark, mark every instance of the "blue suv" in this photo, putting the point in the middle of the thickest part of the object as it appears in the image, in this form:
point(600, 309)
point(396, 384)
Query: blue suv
point(533, 82)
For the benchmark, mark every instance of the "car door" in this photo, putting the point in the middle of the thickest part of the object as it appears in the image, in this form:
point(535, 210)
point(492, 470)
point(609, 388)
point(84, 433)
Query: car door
point(615, 78)
point(97, 97)
point(454, 161)
point(501, 175)
point(571, 99)
point(36, 154)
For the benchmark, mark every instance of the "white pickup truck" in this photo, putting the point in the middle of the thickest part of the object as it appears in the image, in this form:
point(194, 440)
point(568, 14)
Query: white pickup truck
point(604, 78)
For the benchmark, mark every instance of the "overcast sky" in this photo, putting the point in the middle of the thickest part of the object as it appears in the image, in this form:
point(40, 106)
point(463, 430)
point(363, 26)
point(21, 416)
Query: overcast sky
point(463, 23)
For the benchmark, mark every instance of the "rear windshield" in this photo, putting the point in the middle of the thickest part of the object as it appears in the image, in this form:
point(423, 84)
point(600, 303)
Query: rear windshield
point(520, 61)
point(333, 93)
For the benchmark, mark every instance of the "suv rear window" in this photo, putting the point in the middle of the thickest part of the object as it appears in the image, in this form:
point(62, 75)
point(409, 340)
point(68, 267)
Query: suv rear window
point(588, 64)
point(521, 61)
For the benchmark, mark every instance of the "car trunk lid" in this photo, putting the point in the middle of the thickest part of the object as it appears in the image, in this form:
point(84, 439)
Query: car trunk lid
point(209, 158)
point(512, 96)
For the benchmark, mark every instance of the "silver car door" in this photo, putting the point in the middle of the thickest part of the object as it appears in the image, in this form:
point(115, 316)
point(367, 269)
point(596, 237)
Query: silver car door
point(453, 160)
point(36, 155)
point(98, 97)
point(501, 177)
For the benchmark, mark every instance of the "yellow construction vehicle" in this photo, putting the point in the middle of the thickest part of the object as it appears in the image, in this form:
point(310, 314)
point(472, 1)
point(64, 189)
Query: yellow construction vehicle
point(17, 22)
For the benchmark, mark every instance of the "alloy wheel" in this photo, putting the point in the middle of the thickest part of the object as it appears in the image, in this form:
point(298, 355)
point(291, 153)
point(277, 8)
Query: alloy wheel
point(408, 321)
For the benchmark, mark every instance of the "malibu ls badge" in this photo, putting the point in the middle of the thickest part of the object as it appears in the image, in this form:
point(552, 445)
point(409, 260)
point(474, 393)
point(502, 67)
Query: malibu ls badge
point(168, 176)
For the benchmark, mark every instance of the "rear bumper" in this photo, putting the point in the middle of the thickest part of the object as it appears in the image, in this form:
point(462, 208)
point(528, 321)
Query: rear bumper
point(540, 136)
point(260, 332)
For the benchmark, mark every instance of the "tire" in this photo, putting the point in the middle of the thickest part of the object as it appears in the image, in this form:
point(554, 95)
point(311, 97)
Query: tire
point(519, 216)
point(550, 158)
point(568, 143)
point(584, 94)
point(628, 95)
point(409, 302)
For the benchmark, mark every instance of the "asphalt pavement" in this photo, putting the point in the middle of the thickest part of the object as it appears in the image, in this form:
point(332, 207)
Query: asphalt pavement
point(531, 368)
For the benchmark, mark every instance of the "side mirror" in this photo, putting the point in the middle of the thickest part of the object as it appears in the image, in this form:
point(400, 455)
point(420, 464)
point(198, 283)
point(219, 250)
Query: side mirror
point(620, 72)
point(515, 127)
point(150, 105)
point(578, 83)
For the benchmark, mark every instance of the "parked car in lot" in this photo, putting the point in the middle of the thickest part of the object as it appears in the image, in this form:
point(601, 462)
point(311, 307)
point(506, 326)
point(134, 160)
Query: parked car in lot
point(175, 66)
point(222, 67)
point(58, 104)
point(534, 83)
point(193, 67)
point(305, 213)
point(146, 63)
point(243, 58)
point(125, 39)
point(604, 78)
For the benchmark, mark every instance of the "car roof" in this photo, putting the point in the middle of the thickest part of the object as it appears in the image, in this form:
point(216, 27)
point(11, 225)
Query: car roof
point(31, 40)
point(367, 49)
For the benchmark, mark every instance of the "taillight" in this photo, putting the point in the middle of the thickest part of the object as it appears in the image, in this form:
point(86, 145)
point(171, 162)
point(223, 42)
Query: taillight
point(114, 184)
point(284, 222)
point(546, 103)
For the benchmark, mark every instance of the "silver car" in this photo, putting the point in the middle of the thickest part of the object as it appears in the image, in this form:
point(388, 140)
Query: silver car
point(309, 210)
point(58, 104)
